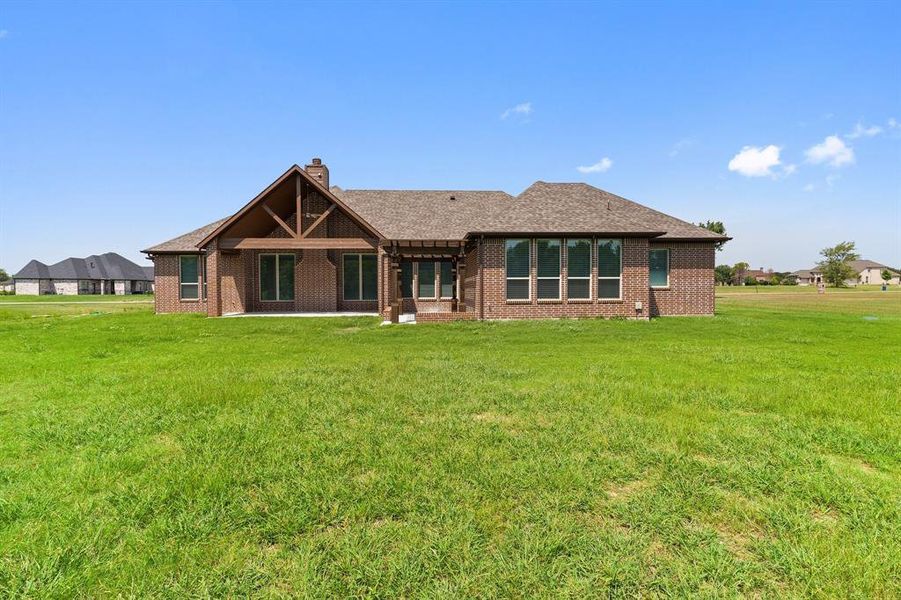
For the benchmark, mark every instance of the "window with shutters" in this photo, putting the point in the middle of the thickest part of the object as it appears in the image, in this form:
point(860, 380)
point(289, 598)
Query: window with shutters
point(548, 255)
point(518, 268)
point(610, 269)
point(578, 269)
point(189, 277)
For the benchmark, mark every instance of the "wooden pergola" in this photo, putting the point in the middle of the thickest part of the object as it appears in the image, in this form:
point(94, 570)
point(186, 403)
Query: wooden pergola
point(422, 251)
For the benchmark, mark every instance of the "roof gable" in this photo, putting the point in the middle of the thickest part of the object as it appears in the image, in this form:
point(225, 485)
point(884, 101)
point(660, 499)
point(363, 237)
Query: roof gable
point(274, 187)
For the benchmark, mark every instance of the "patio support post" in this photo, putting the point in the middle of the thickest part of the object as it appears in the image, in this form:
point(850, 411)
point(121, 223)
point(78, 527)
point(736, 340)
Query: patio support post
point(395, 287)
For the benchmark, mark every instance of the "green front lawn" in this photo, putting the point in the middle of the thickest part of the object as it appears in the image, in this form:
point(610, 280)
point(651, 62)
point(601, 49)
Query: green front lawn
point(754, 453)
point(54, 298)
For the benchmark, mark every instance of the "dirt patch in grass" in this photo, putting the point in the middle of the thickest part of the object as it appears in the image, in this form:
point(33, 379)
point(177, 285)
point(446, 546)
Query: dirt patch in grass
point(623, 491)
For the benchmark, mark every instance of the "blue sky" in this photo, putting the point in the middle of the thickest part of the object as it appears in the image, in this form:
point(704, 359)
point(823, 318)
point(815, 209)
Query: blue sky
point(124, 124)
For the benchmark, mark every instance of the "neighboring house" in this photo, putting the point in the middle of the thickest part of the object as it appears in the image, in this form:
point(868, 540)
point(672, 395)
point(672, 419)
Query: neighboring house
point(808, 277)
point(868, 273)
point(760, 275)
point(555, 250)
point(108, 273)
point(8, 286)
point(148, 273)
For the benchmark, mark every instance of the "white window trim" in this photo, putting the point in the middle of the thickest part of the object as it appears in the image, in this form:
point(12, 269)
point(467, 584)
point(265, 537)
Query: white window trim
point(439, 282)
point(618, 278)
point(559, 276)
point(665, 286)
point(359, 256)
point(434, 283)
point(278, 291)
point(588, 277)
point(526, 278)
point(196, 284)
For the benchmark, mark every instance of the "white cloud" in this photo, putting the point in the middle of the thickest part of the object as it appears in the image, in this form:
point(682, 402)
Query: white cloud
point(522, 110)
point(832, 151)
point(831, 179)
point(756, 162)
point(809, 187)
point(681, 145)
point(789, 170)
point(602, 166)
point(861, 131)
point(893, 123)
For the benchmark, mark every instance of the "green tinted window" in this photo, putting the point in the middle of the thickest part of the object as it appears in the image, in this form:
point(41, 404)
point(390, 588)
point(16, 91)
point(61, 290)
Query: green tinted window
point(406, 279)
point(351, 276)
point(658, 267)
point(447, 279)
point(369, 276)
point(609, 258)
point(426, 280)
point(285, 276)
point(518, 258)
point(578, 269)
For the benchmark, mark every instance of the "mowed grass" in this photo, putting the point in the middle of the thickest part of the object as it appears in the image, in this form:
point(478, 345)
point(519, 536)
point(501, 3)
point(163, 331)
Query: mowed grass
point(754, 453)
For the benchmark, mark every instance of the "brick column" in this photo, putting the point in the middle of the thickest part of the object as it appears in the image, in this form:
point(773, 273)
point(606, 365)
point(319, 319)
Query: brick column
point(213, 296)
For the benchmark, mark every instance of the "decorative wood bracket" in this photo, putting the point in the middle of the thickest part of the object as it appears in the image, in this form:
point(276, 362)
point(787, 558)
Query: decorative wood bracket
point(279, 220)
point(316, 223)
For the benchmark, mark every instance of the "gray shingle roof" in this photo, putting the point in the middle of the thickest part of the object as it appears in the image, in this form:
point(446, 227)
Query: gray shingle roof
point(541, 208)
point(35, 269)
point(453, 214)
point(103, 266)
point(187, 242)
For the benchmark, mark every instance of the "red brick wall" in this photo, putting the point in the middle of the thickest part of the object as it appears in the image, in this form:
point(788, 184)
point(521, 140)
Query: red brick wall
point(232, 284)
point(165, 269)
point(634, 287)
point(691, 281)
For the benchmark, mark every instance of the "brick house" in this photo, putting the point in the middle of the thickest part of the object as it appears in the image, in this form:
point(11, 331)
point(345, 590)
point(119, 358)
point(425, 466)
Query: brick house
point(108, 273)
point(555, 250)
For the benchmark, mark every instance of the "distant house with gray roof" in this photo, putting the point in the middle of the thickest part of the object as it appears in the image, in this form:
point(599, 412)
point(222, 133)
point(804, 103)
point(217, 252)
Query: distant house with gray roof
point(108, 273)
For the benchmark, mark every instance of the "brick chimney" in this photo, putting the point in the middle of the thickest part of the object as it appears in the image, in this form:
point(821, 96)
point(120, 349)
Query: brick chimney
point(318, 171)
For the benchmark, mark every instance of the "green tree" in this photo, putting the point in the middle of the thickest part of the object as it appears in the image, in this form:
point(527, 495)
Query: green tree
point(739, 270)
point(750, 280)
point(4, 276)
point(886, 275)
point(715, 227)
point(836, 265)
point(723, 274)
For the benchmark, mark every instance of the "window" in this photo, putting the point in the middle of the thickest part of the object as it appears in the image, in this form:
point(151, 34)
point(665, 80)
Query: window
point(610, 269)
point(276, 277)
point(578, 269)
point(203, 269)
point(406, 279)
point(361, 277)
point(519, 263)
point(447, 278)
point(426, 280)
point(548, 255)
point(658, 265)
point(188, 277)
